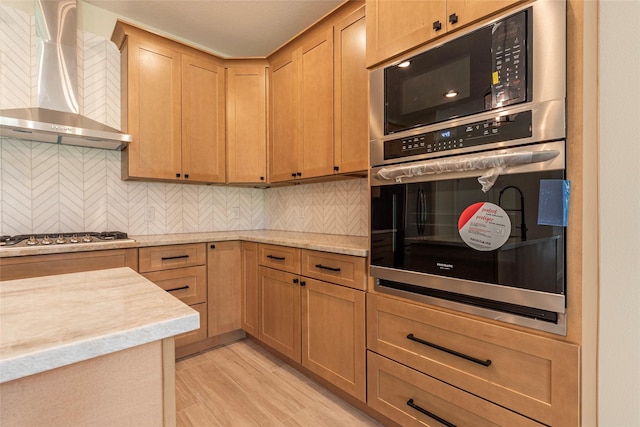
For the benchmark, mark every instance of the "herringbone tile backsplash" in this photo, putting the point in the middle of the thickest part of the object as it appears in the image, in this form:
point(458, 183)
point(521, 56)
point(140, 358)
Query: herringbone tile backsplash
point(46, 188)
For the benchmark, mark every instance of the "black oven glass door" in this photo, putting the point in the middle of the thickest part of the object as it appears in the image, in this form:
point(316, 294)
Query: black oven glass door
point(415, 227)
point(478, 72)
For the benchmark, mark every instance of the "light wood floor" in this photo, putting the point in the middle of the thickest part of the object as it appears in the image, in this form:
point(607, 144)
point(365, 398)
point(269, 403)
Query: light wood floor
point(243, 385)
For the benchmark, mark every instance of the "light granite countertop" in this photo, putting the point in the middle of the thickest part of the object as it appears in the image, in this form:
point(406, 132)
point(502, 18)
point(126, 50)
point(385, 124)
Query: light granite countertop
point(53, 321)
point(347, 245)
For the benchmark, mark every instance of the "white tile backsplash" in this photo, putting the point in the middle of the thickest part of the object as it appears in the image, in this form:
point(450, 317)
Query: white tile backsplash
point(337, 207)
point(47, 188)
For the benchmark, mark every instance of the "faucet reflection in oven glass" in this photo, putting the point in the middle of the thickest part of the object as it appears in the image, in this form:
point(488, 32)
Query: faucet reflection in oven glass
point(523, 225)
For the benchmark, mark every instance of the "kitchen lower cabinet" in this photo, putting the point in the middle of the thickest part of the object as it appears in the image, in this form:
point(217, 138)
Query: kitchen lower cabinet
point(23, 267)
point(280, 312)
point(197, 334)
point(412, 398)
point(181, 270)
point(307, 314)
point(333, 334)
point(532, 375)
point(224, 287)
point(250, 296)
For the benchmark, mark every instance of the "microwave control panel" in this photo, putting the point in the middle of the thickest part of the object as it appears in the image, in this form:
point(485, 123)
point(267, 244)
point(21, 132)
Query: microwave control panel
point(504, 128)
point(508, 54)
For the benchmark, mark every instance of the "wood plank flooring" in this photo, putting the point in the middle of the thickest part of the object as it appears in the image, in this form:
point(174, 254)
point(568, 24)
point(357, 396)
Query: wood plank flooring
point(241, 384)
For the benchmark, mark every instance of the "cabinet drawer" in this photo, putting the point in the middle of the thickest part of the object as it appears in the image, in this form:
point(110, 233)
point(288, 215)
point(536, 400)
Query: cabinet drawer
point(188, 284)
point(280, 257)
point(198, 334)
point(533, 375)
point(344, 270)
point(23, 267)
point(175, 256)
point(414, 399)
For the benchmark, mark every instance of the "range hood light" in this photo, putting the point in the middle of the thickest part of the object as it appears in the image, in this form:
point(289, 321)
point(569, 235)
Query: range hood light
point(404, 64)
point(451, 93)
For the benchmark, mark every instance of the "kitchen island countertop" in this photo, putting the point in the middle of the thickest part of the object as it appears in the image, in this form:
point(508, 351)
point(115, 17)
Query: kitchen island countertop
point(53, 321)
point(340, 244)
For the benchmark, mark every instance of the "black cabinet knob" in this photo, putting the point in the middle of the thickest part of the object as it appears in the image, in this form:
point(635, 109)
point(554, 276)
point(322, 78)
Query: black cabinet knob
point(177, 175)
point(295, 280)
point(262, 178)
point(299, 173)
point(437, 25)
point(336, 168)
point(212, 246)
point(303, 283)
point(186, 176)
point(293, 174)
point(453, 18)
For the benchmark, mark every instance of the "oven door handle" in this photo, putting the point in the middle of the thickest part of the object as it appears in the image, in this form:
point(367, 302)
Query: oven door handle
point(467, 163)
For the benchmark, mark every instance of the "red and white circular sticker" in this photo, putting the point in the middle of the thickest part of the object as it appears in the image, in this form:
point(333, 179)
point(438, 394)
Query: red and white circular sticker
point(484, 226)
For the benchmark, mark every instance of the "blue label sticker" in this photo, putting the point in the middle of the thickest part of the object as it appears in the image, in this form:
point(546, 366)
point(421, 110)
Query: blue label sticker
point(553, 205)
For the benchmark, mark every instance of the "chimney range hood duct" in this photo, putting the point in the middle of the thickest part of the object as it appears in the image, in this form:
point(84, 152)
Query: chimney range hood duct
point(56, 119)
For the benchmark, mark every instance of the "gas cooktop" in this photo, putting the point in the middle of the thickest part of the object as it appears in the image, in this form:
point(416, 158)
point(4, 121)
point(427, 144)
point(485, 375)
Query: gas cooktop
point(53, 239)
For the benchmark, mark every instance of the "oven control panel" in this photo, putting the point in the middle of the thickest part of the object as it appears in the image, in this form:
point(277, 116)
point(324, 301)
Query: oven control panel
point(503, 128)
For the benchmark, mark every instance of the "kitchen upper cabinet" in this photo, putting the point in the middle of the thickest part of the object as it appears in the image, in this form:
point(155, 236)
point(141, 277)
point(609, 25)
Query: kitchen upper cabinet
point(397, 26)
point(203, 119)
point(174, 107)
point(301, 144)
point(319, 100)
point(351, 90)
point(316, 103)
point(246, 121)
point(283, 144)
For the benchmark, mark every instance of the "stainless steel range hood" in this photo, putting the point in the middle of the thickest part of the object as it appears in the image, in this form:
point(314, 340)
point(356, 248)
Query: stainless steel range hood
point(56, 118)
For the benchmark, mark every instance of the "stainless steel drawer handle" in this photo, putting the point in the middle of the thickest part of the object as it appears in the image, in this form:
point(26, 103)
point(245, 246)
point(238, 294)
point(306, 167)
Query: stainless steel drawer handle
point(174, 257)
point(178, 289)
point(278, 258)
point(429, 414)
point(447, 350)
point(324, 267)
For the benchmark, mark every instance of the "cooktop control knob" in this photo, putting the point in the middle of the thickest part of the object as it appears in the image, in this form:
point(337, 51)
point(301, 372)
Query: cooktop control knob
point(61, 240)
point(74, 239)
point(87, 239)
point(46, 241)
point(32, 241)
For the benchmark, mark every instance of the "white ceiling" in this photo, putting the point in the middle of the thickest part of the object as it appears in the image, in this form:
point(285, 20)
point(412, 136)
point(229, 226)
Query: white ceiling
point(230, 28)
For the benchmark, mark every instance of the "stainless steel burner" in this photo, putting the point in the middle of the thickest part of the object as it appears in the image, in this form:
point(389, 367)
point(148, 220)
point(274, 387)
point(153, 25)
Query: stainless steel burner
point(55, 239)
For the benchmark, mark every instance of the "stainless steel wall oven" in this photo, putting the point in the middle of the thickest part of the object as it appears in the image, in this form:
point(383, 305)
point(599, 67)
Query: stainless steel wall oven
point(467, 151)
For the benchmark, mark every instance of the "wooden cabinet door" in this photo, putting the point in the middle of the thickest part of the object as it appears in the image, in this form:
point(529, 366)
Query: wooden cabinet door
point(224, 289)
point(316, 104)
point(246, 124)
point(250, 290)
point(351, 80)
point(203, 119)
point(283, 144)
point(333, 335)
point(153, 109)
point(280, 311)
point(396, 26)
point(467, 11)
